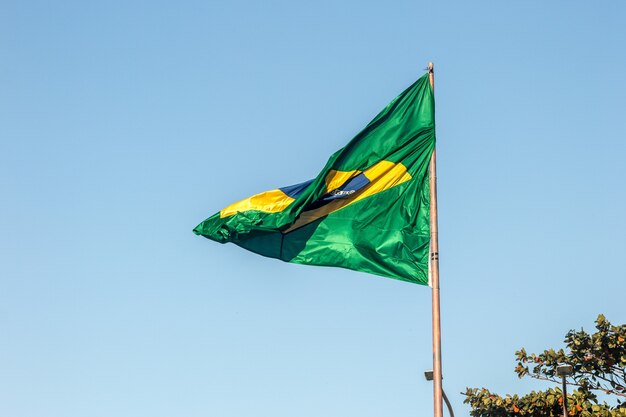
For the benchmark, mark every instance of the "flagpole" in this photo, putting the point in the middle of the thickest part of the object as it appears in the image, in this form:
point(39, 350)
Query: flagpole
point(434, 271)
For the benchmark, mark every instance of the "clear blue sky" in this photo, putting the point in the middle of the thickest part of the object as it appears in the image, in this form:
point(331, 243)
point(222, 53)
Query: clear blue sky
point(125, 123)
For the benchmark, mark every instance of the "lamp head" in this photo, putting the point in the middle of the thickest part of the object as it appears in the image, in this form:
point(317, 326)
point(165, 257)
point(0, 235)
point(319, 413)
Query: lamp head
point(564, 370)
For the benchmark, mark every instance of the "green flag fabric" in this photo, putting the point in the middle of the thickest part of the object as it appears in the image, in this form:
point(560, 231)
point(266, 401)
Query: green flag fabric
point(367, 210)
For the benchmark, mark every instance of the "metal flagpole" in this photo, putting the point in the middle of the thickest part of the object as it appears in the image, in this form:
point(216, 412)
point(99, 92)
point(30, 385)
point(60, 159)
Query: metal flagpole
point(434, 272)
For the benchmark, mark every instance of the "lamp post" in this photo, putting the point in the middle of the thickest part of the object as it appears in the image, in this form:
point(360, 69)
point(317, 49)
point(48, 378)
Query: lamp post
point(429, 377)
point(563, 371)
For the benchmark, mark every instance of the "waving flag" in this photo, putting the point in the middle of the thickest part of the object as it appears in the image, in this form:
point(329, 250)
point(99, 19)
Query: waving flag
point(367, 210)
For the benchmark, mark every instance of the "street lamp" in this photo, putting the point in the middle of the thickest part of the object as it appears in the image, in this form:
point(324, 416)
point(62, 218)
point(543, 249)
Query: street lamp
point(563, 371)
point(429, 377)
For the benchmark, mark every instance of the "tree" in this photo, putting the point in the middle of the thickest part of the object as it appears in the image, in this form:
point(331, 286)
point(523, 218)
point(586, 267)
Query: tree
point(599, 362)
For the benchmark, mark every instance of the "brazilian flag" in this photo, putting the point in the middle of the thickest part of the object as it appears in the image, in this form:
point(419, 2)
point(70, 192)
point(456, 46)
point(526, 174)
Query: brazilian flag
point(368, 209)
